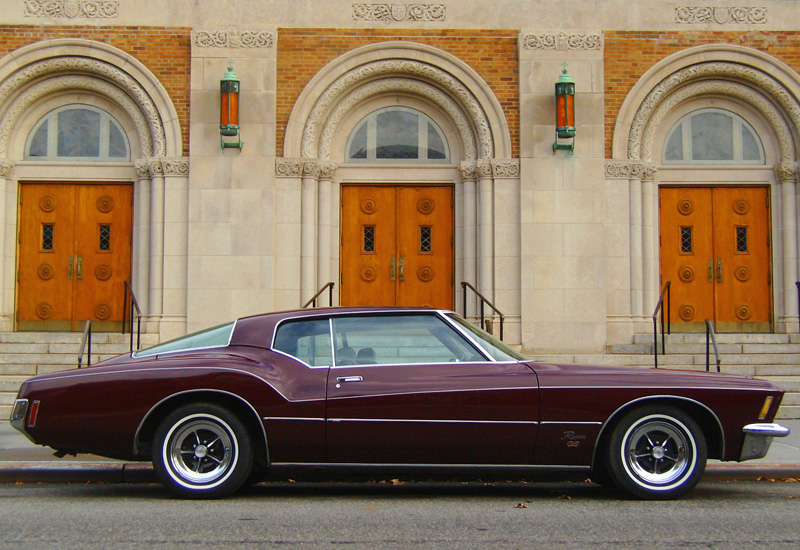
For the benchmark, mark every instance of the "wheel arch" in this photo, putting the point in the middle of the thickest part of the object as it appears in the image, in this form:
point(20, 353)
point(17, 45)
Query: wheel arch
point(235, 403)
point(705, 417)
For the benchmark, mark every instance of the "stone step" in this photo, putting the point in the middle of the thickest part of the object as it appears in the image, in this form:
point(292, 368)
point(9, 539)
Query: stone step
point(722, 338)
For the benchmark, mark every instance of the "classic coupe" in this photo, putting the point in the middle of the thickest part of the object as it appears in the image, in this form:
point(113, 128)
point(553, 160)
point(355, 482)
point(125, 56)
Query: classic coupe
point(391, 389)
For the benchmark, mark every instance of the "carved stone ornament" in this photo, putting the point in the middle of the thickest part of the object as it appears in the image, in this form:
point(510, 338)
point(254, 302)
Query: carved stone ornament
point(563, 41)
point(142, 172)
point(289, 168)
point(627, 169)
point(399, 12)
point(469, 171)
point(233, 39)
point(108, 81)
point(786, 171)
point(678, 87)
point(704, 15)
point(505, 168)
point(6, 168)
point(365, 81)
point(71, 9)
point(178, 166)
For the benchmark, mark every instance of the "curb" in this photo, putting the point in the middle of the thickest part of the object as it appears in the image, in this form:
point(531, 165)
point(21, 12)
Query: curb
point(142, 472)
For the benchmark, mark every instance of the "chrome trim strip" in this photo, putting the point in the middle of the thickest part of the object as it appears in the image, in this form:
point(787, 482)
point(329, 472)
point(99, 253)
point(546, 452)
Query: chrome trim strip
point(293, 418)
point(654, 387)
point(650, 398)
point(429, 421)
point(766, 430)
point(368, 396)
point(428, 465)
point(570, 422)
point(154, 407)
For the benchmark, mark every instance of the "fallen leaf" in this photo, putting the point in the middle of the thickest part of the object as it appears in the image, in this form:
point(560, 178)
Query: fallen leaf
point(565, 497)
point(521, 505)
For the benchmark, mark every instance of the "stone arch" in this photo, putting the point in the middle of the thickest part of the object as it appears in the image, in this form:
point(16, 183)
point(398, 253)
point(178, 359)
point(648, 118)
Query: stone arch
point(401, 66)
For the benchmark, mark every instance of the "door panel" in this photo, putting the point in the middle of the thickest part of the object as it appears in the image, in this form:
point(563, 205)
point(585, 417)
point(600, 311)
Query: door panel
point(397, 246)
point(715, 251)
point(78, 274)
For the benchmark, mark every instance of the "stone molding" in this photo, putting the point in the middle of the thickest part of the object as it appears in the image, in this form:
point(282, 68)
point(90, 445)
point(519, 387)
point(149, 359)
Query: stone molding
point(233, 39)
point(563, 41)
point(305, 168)
point(108, 78)
point(6, 168)
point(773, 92)
point(72, 9)
point(630, 169)
point(490, 168)
point(446, 89)
point(395, 13)
point(703, 15)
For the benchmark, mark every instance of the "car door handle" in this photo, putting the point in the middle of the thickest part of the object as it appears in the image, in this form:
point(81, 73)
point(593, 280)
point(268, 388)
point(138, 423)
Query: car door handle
point(349, 379)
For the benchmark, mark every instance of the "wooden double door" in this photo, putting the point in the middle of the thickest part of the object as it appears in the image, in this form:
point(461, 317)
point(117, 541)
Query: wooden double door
point(397, 245)
point(715, 249)
point(74, 255)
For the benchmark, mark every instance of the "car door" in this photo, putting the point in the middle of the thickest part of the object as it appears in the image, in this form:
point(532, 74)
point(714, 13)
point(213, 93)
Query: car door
point(409, 388)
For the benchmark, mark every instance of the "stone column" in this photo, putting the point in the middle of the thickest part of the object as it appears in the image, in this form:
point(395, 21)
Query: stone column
point(6, 256)
point(176, 247)
point(486, 229)
point(650, 265)
point(156, 242)
point(325, 208)
point(469, 175)
point(637, 260)
point(787, 175)
point(308, 230)
point(140, 274)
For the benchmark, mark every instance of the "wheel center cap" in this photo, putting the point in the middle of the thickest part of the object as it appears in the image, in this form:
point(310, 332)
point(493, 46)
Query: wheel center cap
point(658, 452)
point(200, 451)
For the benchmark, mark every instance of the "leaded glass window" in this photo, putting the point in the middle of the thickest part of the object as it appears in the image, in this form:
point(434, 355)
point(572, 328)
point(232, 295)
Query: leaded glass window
point(713, 136)
point(47, 237)
point(425, 241)
point(105, 237)
point(369, 238)
point(77, 132)
point(741, 239)
point(686, 240)
point(397, 135)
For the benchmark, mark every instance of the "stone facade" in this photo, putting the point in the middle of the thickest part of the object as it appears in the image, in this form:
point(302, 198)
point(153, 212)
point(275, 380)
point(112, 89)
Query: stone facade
point(565, 244)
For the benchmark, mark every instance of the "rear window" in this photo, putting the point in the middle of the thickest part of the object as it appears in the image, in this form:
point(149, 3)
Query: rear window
point(214, 337)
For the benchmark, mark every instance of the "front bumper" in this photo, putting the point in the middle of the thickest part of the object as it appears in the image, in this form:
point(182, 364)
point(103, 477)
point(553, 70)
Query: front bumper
point(758, 438)
point(18, 416)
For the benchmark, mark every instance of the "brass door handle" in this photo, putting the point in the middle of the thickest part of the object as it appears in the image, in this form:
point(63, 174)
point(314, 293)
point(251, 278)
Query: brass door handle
point(69, 267)
point(79, 267)
point(402, 268)
point(391, 269)
point(719, 270)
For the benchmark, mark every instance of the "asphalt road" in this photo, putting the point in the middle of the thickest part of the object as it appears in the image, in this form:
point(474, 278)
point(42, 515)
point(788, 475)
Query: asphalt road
point(715, 515)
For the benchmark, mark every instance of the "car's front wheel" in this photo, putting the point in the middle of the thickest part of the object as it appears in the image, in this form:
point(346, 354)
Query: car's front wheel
point(202, 451)
point(656, 453)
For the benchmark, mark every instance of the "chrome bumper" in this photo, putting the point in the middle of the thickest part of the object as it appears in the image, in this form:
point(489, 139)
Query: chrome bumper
point(18, 416)
point(758, 438)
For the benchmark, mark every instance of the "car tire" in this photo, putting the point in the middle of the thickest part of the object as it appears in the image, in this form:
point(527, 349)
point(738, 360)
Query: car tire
point(656, 453)
point(202, 451)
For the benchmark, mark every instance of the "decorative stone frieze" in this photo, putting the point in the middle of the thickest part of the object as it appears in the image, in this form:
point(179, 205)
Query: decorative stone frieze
point(505, 168)
point(289, 168)
point(630, 169)
point(563, 41)
point(721, 15)
point(178, 166)
point(6, 168)
point(233, 39)
point(155, 166)
point(71, 9)
point(399, 12)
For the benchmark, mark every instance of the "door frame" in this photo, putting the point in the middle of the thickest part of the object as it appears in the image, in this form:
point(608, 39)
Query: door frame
point(405, 184)
point(699, 326)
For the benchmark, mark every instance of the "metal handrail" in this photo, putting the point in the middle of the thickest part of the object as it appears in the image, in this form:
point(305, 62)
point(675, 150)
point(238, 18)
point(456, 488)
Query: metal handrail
point(660, 307)
point(797, 284)
point(711, 336)
point(87, 338)
point(313, 301)
point(125, 315)
point(484, 300)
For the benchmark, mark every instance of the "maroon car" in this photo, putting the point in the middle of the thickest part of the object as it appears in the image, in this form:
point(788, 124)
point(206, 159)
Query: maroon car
point(391, 388)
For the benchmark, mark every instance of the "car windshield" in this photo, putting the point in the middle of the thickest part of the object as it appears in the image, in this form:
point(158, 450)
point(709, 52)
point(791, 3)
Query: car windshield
point(209, 338)
point(491, 345)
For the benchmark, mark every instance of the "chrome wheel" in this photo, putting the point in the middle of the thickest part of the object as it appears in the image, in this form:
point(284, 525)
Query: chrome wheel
point(656, 452)
point(201, 451)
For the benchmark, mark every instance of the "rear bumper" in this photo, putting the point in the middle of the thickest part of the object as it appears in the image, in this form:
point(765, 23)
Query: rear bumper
point(758, 438)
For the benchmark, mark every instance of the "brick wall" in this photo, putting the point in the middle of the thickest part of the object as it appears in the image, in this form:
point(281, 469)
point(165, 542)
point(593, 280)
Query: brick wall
point(491, 53)
point(165, 51)
point(629, 54)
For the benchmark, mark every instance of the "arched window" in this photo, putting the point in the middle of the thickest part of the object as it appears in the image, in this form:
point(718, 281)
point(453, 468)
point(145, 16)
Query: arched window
point(713, 136)
point(397, 135)
point(77, 132)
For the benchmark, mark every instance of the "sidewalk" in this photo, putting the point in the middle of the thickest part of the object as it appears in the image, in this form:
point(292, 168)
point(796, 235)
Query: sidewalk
point(22, 461)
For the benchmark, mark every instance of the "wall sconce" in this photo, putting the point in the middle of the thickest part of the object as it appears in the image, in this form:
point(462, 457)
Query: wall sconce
point(565, 112)
point(229, 109)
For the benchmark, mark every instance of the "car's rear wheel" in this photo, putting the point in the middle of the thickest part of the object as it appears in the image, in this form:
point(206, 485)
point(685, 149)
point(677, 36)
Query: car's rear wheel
point(202, 451)
point(656, 453)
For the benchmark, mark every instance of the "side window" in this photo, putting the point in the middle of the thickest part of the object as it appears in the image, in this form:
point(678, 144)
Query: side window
point(398, 339)
point(308, 341)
